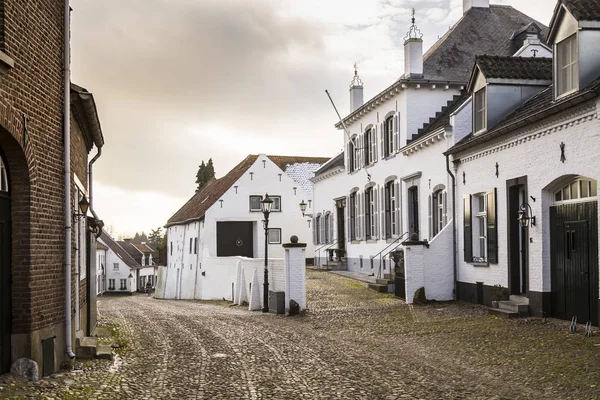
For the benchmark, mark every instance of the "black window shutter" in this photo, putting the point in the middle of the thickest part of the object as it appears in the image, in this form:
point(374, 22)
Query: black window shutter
point(468, 234)
point(492, 227)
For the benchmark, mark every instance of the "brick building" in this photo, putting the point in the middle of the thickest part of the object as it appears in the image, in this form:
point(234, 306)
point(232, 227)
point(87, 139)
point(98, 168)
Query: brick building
point(33, 195)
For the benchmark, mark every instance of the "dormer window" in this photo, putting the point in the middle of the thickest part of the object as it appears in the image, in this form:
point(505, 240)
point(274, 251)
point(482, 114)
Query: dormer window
point(567, 69)
point(480, 110)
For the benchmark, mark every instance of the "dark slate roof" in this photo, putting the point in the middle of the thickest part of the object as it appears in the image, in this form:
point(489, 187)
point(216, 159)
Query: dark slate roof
point(529, 68)
point(442, 118)
point(539, 107)
point(335, 162)
point(479, 31)
point(114, 246)
point(200, 202)
point(583, 10)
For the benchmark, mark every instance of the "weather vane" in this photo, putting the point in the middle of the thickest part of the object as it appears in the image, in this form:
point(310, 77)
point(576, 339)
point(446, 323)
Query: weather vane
point(413, 32)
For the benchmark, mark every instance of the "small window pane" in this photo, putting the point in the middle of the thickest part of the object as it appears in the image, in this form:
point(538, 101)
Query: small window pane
point(276, 204)
point(584, 189)
point(274, 236)
point(593, 189)
point(558, 196)
point(574, 191)
point(255, 203)
point(481, 203)
point(567, 193)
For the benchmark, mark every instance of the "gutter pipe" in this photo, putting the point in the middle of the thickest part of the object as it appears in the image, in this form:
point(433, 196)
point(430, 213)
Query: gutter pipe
point(454, 249)
point(90, 182)
point(67, 159)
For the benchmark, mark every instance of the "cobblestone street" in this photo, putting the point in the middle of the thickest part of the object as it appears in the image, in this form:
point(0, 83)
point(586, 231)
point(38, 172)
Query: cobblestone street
point(353, 343)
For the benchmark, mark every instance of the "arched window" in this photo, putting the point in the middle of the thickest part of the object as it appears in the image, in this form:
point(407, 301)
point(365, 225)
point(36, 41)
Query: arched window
point(413, 210)
point(3, 177)
point(317, 238)
point(353, 208)
point(353, 154)
point(388, 146)
point(437, 211)
point(580, 188)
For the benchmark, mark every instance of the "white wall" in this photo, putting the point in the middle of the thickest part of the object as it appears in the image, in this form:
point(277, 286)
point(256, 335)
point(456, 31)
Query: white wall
point(101, 285)
point(122, 273)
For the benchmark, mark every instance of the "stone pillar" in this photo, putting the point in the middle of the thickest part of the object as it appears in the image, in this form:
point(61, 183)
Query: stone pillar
point(295, 272)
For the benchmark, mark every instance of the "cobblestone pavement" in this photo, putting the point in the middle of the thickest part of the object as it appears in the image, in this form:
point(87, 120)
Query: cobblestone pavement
point(353, 343)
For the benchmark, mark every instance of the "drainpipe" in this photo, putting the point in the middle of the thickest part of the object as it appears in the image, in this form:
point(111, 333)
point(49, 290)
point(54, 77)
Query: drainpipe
point(454, 249)
point(67, 157)
point(90, 182)
point(77, 266)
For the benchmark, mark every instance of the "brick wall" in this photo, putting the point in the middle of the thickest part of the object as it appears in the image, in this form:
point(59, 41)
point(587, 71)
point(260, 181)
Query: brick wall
point(33, 38)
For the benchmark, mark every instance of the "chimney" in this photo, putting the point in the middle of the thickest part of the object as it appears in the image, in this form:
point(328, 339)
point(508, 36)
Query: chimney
point(413, 52)
point(468, 4)
point(356, 92)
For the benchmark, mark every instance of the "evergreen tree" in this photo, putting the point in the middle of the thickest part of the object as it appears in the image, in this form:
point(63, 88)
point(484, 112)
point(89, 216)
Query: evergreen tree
point(205, 173)
point(155, 238)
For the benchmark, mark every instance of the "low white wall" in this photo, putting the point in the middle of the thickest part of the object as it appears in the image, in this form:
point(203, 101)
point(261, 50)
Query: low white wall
point(431, 268)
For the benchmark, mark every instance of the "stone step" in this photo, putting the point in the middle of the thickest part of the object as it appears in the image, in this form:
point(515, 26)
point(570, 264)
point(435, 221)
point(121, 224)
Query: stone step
point(105, 352)
point(378, 288)
point(500, 312)
point(519, 299)
point(514, 306)
point(384, 282)
point(87, 348)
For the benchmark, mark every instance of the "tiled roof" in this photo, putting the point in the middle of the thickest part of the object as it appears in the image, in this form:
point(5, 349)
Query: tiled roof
point(114, 246)
point(144, 248)
point(583, 10)
point(479, 31)
point(100, 246)
point(540, 106)
point(301, 169)
point(335, 162)
point(529, 68)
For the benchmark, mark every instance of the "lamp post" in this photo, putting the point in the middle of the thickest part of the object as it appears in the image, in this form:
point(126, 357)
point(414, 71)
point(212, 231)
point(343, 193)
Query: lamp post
point(266, 205)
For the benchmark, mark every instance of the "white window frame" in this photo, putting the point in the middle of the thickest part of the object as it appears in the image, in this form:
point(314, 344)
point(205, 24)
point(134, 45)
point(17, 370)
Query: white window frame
point(389, 136)
point(567, 191)
point(278, 208)
point(480, 110)
point(370, 213)
point(570, 67)
point(479, 219)
point(115, 266)
point(259, 209)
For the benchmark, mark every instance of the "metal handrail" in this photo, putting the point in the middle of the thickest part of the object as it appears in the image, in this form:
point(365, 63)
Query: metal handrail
point(327, 245)
point(381, 257)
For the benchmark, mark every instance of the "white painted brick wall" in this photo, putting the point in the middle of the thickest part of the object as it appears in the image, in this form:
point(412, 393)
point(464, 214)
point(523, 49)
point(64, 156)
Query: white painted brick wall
point(295, 271)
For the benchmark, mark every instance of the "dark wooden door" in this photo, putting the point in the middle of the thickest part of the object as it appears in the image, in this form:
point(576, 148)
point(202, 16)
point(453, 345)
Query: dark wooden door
point(574, 258)
point(5, 284)
point(341, 227)
point(235, 239)
point(92, 283)
point(517, 244)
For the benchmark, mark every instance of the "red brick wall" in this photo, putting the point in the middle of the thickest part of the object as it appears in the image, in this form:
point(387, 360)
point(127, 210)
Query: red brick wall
point(33, 38)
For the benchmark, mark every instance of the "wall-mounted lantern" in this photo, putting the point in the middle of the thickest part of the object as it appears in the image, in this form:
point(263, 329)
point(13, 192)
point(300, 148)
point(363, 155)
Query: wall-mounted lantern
point(303, 209)
point(526, 217)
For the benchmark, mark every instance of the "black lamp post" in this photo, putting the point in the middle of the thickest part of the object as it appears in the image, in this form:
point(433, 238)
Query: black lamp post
point(266, 205)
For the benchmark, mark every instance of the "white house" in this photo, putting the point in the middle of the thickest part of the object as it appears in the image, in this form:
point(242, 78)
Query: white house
point(120, 267)
point(147, 260)
point(527, 176)
point(101, 267)
point(394, 184)
point(224, 219)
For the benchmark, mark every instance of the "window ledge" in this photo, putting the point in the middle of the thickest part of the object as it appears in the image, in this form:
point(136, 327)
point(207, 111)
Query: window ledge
point(6, 62)
point(372, 241)
point(565, 94)
point(390, 156)
point(355, 242)
point(480, 264)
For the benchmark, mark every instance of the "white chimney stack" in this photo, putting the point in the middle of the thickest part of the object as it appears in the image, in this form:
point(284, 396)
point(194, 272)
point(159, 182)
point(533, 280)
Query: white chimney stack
point(413, 51)
point(468, 4)
point(356, 92)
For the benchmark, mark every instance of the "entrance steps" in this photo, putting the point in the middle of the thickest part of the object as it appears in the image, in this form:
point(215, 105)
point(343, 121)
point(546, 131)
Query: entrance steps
point(385, 285)
point(88, 348)
point(515, 307)
point(336, 266)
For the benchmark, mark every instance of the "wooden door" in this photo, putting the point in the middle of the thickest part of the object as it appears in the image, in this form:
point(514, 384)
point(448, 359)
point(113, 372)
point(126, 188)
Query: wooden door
point(235, 239)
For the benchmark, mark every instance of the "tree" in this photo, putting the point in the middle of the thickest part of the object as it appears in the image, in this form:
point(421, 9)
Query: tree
point(206, 172)
point(155, 237)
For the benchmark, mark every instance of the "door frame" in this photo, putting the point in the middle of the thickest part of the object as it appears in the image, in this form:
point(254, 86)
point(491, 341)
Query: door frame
point(517, 242)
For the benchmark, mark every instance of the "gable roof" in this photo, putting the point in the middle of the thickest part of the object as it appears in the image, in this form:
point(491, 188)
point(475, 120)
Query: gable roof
point(479, 31)
point(201, 201)
point(114, 246)
point(450, 59)
point(538, 107)
point(520, 68)
point(144, 248)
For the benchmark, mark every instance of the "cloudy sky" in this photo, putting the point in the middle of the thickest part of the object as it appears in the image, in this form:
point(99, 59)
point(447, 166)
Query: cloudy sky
point(181, 81)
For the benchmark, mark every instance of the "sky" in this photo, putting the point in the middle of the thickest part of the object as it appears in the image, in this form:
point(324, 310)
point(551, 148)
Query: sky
point(177, 82)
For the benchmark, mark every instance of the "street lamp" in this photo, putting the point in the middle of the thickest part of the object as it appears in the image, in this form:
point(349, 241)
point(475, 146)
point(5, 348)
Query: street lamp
point(266, 205)
point(303, 209)
point(526, 217)
point(84, 205)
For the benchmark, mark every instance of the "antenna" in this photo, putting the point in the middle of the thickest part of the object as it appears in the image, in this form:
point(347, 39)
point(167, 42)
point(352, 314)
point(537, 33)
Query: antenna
point(345, 128)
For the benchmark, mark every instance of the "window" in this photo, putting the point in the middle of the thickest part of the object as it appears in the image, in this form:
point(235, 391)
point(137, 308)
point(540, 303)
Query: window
point(437, 210)
point(195, 245)
point(480, 110)
point(369, 213)
point(274, 235)
point(480, 230)
point(567, 69)
point(352, 155)
point(391, 228)
point(111, 284)
point(369, 146)
point(317, 229)
point(328, 227)
point(353, 213)
point(413, 210)
point(388, 148)
point(171, 248)
point(123, 284)
point(578, 189)
point(276, 203)
point(255, 203)
point(116, 266)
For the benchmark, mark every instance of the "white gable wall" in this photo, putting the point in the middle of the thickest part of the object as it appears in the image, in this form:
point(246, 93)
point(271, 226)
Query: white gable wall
point(122, 272)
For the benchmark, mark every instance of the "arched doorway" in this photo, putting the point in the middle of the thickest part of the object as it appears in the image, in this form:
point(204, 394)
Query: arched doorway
point(5, 270)
point(574, 249)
